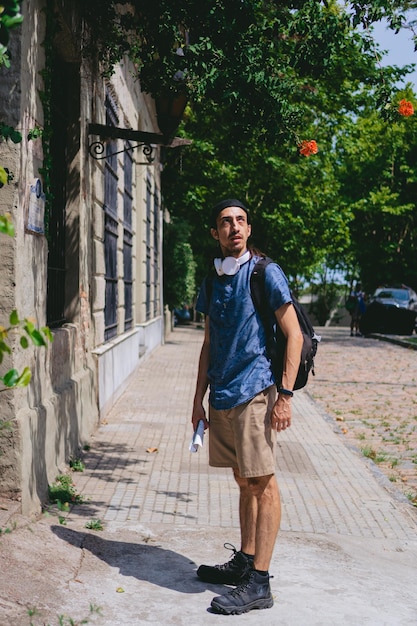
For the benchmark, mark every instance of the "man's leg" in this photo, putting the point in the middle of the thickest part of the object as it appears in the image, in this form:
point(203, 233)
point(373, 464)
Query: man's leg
point(242, 437)
point(241, 564)
point(260, 516)
point(248, 513)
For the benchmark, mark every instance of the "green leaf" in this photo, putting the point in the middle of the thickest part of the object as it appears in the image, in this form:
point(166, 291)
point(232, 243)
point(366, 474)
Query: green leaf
point(3, 176)
point(37, 338)
point(35, 133)
point(6, 226)
point(24, 378)
point(4, 348)
point(15, 136)
point(11, 377)
point(47, 332)
point(12, 21)
point(29, 326)
point(4, 56)
point(14, 318)
point(24, 342)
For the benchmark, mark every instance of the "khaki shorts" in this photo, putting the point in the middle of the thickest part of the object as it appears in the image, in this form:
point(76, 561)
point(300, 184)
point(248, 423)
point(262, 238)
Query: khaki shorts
point(242, 437)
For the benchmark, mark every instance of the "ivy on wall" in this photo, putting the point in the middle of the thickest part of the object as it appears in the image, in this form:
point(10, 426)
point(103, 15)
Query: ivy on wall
point(10, 17)
point(29, 334)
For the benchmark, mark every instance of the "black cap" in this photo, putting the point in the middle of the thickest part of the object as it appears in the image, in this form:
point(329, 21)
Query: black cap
point(224, 204)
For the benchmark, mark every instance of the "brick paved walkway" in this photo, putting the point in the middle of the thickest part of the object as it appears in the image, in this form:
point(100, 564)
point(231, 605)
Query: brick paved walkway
point(326, 486)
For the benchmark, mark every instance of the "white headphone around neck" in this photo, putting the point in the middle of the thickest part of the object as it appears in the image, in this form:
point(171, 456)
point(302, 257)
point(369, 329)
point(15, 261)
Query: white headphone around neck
point(230, 265)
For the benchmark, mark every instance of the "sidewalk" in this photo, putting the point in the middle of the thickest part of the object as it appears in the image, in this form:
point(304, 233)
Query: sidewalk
point(346, 554)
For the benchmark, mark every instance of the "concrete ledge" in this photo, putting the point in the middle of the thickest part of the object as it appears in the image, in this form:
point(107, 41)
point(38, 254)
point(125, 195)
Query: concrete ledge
point(118, 359)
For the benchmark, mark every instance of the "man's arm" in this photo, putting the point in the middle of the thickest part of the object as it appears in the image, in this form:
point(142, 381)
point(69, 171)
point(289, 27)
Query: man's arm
point(202, 380)
point(288, 322)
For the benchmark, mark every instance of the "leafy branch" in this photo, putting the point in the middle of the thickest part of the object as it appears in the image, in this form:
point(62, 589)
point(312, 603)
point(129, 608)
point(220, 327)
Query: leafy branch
point(262, 61)
point(29, 334)
point(10, 17)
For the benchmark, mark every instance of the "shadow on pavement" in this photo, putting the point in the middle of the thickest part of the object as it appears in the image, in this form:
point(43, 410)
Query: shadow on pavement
point(154, 564)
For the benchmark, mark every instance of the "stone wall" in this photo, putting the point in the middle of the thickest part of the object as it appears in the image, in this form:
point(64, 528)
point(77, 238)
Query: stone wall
point(80, 375)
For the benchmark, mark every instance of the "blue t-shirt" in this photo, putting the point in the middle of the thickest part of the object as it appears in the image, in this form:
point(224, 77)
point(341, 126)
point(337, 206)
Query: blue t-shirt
point(239, 368)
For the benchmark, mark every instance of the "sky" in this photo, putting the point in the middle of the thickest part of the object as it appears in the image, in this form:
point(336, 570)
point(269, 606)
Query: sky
point(400, 47)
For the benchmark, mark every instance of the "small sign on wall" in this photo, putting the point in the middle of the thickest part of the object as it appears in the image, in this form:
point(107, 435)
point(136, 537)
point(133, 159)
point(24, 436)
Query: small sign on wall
point(36, 212)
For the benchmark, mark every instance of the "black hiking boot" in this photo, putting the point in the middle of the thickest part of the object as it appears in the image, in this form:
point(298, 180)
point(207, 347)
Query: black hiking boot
point(253, 593)
point(231, 573)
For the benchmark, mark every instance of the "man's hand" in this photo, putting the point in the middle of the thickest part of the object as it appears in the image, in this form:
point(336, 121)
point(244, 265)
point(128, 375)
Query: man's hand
point(281, 413)
point(199, 414)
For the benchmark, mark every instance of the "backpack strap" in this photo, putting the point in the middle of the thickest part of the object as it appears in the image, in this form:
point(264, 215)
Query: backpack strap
point(275, 349)
point(257, 287)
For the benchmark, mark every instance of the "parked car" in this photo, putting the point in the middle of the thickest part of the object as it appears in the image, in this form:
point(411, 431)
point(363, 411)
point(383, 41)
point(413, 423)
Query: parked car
point(400, 297)
point(391, 310)
point(182, 316)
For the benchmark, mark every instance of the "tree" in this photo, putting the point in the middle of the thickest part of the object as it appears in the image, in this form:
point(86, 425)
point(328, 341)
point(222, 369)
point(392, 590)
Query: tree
point(259, 61)
point(296, 210)
point(379, 183)
point(179, 266)
point(261, 77)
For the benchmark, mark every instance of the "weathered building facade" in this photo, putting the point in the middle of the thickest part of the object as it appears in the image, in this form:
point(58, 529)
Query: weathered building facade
point(90, 268)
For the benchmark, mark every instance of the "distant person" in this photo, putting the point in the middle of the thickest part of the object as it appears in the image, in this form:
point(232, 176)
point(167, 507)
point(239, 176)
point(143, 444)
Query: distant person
point(356, 307)
point(245, 411)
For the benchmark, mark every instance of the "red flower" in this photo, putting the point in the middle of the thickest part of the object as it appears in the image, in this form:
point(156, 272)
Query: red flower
point(307, 148)
point(405, 108)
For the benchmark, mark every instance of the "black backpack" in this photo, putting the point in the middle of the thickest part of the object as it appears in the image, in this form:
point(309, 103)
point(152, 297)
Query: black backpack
point(275, 339)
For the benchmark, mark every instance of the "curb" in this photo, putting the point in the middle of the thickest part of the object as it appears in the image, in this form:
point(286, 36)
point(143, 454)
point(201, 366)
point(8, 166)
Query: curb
point(396, 340)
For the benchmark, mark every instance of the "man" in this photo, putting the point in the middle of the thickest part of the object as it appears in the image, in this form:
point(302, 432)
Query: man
point(244, 409)
point(356, 301)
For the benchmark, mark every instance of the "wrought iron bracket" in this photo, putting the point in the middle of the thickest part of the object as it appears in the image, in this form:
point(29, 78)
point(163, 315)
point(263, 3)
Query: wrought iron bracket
point(146, 141)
